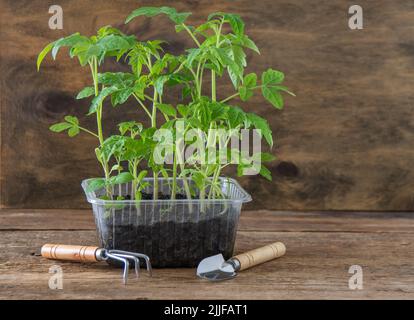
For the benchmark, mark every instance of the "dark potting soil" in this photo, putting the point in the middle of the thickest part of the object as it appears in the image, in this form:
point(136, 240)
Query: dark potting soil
point(169, 234)
point(149, 196)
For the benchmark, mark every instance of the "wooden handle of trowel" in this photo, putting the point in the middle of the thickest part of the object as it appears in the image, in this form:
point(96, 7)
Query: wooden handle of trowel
point(69, 252)
point(260, 255)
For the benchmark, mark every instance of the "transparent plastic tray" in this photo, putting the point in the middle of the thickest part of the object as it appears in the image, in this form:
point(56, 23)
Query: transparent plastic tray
point(173, 233)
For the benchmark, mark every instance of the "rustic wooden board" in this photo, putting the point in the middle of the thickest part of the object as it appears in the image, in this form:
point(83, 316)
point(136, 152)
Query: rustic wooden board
point(345, 142)
point(315, 266)
point(269, 221)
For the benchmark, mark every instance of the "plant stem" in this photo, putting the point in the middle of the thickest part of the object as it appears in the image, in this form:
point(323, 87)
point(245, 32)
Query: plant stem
point(99, 109)
point(94, 70)
point(154, 110)
point(134, 181)
point(237, 94)
point(213, 73)
point(155, 186)
point(154, 125)
point(213, 85)
point(88, 131)
point(191, 34)
point(142, 105)
point(230, 97)
point(182, 167)
point(174, 183)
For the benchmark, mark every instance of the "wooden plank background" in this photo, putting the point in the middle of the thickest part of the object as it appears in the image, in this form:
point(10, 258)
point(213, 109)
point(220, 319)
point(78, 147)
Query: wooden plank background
point(345, 143)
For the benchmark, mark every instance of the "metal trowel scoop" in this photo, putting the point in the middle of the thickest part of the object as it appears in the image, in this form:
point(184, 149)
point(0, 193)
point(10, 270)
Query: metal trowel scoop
point(215, 268)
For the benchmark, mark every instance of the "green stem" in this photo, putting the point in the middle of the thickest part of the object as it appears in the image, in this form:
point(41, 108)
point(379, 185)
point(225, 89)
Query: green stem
point(154, 125)
point(154, 110)
point(182, 168)
point(99, 109)
point(142, 105)
point(174, 183)
point(214, 181)
point(148, 97)
point(134, 181)
point(213, 85)
point(191, 34)
point(230, 97)
point(213, 73)
point(155, 187)
point(90, 132)
point(237, 94)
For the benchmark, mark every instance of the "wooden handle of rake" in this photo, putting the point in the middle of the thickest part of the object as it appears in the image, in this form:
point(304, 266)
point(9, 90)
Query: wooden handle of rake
point(260, 255)
point(69, 252)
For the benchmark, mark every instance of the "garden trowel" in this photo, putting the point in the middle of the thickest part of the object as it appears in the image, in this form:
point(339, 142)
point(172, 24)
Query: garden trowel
point(215, 268)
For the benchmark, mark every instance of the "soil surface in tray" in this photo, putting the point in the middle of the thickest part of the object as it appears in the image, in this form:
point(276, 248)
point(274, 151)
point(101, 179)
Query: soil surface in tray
point(149, 196)
point(170, 234)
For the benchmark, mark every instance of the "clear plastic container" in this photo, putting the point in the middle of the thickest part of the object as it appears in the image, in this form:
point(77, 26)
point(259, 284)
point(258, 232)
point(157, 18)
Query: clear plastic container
point(173, 233)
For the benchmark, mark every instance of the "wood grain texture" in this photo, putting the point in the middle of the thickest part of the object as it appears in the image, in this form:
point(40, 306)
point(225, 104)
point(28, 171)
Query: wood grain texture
point(344, 143)
point(315, 266)
point(268, 221)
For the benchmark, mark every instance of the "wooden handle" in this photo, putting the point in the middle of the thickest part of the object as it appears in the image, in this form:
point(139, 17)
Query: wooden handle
point(68, 252)
point(260, 255)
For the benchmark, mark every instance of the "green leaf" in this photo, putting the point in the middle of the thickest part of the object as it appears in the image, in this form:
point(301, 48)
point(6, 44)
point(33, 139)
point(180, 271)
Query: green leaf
point(94, 50)
point(72, 120)
point(69, 41)
point(86, 92)
point(272, 95)
point(233, 60)
point(264, 172)
point(116, 78)
point(240, 169)
point(249, 82)
point(98, 100)
point(141, 176)
point(116, 167)
point(183, 110)
point(43, 54)
point(159, 83)
point(73, 131)
point(95, 184)
point(113, 43)
point(267, 157)
point(262, 125)
point(245, 93)
point(132, 126)
point(108, 30)
point(198, 179)
point(249, 43)
point(272, 77)
point(167, 109)
point(59, 127)
point(236, 117)
point(236, 23)
point(193, 53)
point(119, 97)
point(270, 89)
point(234, 75)
point(176, 17)
point(123, 177)
point(186, 92)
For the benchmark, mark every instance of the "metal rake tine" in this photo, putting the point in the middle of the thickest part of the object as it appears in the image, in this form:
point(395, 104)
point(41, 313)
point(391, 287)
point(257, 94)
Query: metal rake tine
point(139, 255)
point(126, 265)
point(148, 264)
point(129, 256)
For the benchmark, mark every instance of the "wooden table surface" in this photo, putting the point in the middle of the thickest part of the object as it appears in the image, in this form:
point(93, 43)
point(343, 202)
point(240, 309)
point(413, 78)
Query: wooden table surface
point(321, 247)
